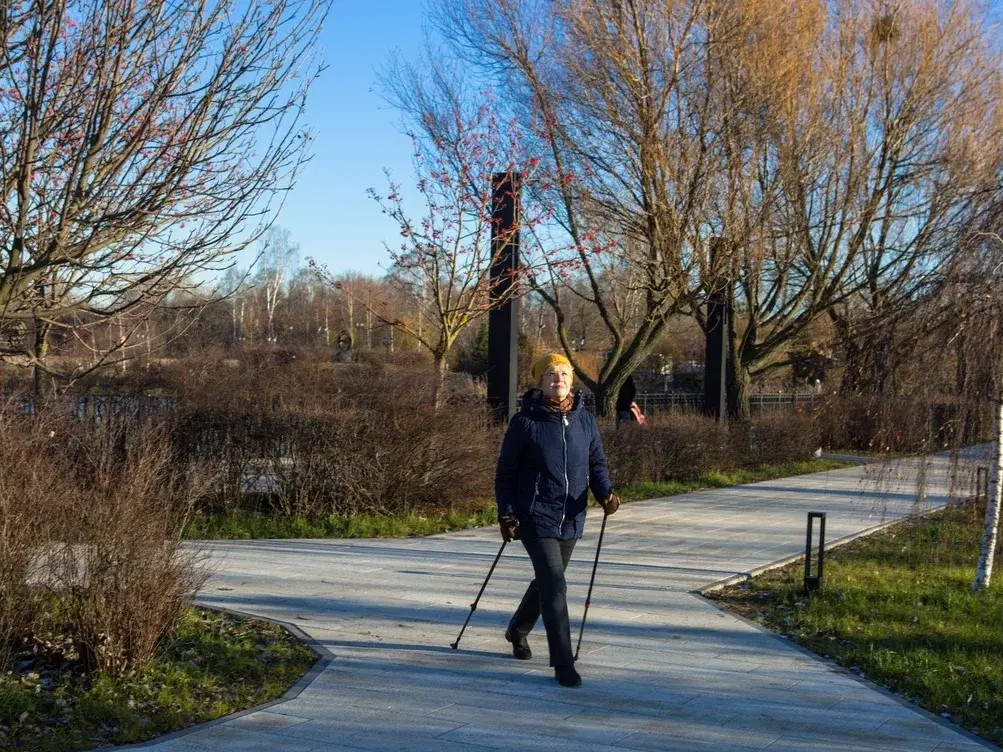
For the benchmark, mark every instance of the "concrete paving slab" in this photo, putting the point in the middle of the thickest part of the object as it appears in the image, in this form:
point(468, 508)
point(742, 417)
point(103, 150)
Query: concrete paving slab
point(664, 669)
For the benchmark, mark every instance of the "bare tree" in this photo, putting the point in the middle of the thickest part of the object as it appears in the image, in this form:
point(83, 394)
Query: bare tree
point(441, 269)
point(829, 145)
point(876, 138)
point(232, 287)
point(277, 260)
point(141, 144)
point(620, 98)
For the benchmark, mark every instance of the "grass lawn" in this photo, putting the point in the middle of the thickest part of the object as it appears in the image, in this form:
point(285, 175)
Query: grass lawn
point(214, 665)
point(897, 608)
point(241, 525)
point(723, 479)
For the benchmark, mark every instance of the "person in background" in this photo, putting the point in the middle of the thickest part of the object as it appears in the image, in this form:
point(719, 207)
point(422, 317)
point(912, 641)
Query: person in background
point(550, 457)
point(624, 399)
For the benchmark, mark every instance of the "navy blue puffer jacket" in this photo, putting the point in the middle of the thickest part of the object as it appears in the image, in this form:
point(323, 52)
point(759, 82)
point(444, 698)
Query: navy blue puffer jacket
point(547, 463)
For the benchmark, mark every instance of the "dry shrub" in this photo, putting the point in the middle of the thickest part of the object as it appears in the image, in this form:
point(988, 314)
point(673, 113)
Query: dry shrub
point(776, 439)
point(101, 507)
point(397, 453)
point(343, 439)
point(900, 424)
point(238, 447)
point(119, 568)
point(675, 446)
point(26, 494)
point(685, 445)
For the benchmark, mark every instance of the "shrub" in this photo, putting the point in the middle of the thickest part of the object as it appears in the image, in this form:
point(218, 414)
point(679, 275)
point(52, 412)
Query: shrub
point(897, 424)
point(675, 446)
point(682, 446)
point(26, 492)
point(776, 439)
point(342, 440)
point(118, 569)
point(13, 702)
point(92, 520)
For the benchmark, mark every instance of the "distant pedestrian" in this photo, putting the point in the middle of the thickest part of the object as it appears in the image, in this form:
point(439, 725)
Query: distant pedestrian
point(627, 410)
point(624, 399)
point(550, 457)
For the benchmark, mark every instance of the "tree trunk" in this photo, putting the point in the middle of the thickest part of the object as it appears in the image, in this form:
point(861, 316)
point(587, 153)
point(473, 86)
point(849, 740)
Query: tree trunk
point(985, 571)
point(327, 325)
point(40, 350)
point(605, 395)
point(738, 390)
point(961, 365)
point(124, 363)
point(737, 378)
point(439, 359)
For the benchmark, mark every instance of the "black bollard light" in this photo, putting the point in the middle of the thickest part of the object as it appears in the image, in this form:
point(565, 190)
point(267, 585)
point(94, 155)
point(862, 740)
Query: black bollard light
point(814, 582)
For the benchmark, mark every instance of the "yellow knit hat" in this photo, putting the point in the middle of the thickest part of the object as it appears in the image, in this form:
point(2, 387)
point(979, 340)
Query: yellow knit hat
point(541, 364)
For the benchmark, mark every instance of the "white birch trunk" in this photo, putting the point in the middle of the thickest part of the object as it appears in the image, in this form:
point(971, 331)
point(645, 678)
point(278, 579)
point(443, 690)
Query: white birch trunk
point(985, 571)
point(121, 340)
point(273, 292)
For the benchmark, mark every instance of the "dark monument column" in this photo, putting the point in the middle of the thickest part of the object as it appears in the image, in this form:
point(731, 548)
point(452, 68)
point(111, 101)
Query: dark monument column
point(718, 323)
point(503, 329)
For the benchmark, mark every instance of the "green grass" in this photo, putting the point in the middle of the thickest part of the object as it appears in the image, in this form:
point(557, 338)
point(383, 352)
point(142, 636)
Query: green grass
point(213, 665)
point(244, 525)
point(722, 479)
point(241, 525)
point(897, 607)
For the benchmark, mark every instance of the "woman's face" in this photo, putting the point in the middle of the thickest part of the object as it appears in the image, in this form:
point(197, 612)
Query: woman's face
point(556, 381)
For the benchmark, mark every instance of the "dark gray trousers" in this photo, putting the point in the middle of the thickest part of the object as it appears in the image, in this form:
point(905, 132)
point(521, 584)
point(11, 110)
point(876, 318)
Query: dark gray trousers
point(547, 595)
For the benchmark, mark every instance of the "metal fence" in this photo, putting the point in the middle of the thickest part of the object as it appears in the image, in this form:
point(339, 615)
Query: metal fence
point(655, 403)
point(101, 406)
point(98, 407)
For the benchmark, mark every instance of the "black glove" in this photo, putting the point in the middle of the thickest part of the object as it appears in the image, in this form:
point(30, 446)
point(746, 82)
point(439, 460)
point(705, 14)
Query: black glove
point(509, 526)
point(610, 504)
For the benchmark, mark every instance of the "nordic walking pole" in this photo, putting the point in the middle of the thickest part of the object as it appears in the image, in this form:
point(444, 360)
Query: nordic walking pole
point(473, 606)
point(588, 598)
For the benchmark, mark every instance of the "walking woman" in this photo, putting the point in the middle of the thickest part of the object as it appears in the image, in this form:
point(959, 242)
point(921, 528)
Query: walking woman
point(550, 457)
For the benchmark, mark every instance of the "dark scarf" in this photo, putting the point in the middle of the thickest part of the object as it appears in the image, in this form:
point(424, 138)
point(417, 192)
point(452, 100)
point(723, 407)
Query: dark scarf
point(559, 406)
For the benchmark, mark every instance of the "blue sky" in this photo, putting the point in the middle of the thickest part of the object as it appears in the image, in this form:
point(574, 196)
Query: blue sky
point(357, 135)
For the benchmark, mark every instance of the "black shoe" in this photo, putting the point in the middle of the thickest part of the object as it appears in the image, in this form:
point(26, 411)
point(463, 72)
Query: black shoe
point(520, 646)
point(567, 676)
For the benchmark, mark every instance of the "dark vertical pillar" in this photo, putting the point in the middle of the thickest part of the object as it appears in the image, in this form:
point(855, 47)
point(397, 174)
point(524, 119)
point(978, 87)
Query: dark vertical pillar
point(718, 325)
point(503, 329)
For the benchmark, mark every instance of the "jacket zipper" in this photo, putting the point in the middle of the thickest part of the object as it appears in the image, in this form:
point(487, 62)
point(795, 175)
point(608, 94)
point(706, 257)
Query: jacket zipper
point(564, 441)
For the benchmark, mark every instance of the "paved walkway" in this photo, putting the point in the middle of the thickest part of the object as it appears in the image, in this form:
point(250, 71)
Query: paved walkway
point(664, 669)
